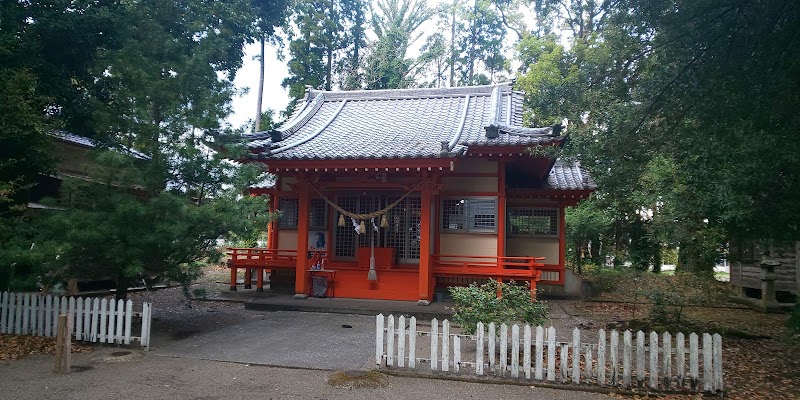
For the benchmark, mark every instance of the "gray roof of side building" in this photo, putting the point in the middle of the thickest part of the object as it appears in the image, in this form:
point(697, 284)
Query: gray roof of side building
point(89, 143)
point(567, 175)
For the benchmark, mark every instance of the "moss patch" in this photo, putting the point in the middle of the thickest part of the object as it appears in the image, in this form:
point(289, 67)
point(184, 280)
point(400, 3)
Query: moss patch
point(354, 379)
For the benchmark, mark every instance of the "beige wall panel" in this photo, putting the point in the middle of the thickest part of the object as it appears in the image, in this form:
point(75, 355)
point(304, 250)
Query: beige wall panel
point(533, 247)
point(468, 244)
point(287, 240)
point(476, 184)
point(476, 165)
point(285, 181)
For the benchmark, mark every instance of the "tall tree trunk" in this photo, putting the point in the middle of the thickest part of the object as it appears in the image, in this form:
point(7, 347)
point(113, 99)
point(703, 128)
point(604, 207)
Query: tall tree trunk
point(473, 39)
point(657, 259)
point(453, 45)
point(328, 68)
point(260, 85)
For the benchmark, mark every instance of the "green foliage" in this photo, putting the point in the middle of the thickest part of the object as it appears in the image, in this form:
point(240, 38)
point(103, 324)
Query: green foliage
point(481, 303)
point(669, 295)
point(607, 279)
point(124, 73)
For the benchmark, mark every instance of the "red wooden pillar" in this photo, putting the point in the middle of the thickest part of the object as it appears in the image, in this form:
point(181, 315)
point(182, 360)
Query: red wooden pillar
point(260, 280)
point(271, 231)
point(248, 278)
point(301, 266)
point(425, 259)
point(501, 209)
point(562, 241)
point(233, 278)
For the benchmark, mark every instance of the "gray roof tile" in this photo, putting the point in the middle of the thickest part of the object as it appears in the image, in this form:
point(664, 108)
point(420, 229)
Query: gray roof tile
point(566, 175)
point(86, 142)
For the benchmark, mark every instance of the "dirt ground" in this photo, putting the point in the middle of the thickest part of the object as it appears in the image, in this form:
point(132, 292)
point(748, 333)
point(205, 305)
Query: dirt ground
point(759, 356)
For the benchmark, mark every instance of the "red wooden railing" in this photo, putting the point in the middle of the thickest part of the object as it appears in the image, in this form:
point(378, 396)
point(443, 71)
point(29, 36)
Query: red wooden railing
point(488, 266)
point(239, 257)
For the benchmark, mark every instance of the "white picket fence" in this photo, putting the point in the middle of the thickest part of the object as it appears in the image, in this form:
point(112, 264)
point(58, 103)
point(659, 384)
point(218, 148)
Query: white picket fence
point(94, 320)
point(534, 353)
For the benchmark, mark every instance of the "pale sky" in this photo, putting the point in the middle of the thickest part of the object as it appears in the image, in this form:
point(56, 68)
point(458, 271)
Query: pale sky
point(275, 96)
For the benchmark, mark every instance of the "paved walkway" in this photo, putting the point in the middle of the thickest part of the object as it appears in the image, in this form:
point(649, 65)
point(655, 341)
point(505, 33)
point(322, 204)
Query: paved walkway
point(285, 338)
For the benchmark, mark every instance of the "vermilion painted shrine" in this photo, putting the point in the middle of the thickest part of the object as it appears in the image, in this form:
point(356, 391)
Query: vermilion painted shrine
point(396, 192)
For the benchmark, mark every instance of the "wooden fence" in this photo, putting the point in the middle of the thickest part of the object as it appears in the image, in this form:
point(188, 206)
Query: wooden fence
point(655, 361)
point(94, 320)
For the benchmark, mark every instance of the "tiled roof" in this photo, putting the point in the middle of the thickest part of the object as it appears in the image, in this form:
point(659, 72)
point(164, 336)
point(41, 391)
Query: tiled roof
point(409, 123)
point(404, 123)
point(86, 142)
point(568, 175)
point(268, 182)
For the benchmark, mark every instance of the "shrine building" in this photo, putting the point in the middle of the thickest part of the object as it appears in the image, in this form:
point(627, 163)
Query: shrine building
point(396, 194)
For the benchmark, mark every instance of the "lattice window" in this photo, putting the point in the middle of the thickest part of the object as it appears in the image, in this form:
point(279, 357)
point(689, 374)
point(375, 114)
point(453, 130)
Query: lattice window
point(288, 207)
point(345, 236)
point(318, 214)
point(469, 214)
point(533, 222)
point(403, 233)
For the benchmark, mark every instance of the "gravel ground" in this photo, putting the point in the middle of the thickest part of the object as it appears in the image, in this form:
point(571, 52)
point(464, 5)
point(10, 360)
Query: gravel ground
point(148, 376)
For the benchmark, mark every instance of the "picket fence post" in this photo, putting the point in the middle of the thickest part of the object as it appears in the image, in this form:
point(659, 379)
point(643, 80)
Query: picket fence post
point(412, 343)
point(503, 349)
point(717, 362)
point(564, 356)
point(653, 360)
point(434, 344)
point(3, 311)
point(401, 341)
point(390, 341)
point(551, 354)
point(627, 353)
point(515, 351)
point(667, 364)
point(601, 357)
point(614, 349)
point(445, 345)
point(539, 352)
point(492, 348)
point(479, 349)
point(576, 355)
point(708, 379)
point(456, 353)
point(526, 352)
point(379, 340)
point(680, 359)
point(694, 355)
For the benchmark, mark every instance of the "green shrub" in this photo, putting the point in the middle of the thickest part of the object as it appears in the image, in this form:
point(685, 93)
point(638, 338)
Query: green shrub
point(607, 280)
point(669, 295)
point(481, 303)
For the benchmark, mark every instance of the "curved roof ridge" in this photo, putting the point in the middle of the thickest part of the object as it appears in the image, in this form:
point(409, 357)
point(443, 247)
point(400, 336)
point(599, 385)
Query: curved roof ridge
point(303, 116)
point(413, 92)
point(460, 130)
point(313, 135)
